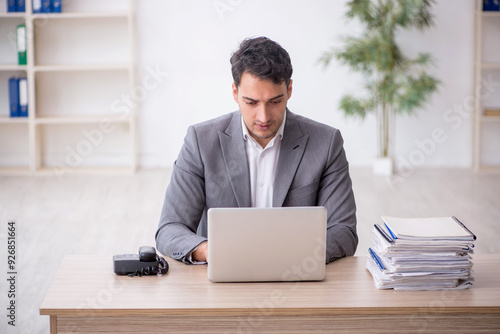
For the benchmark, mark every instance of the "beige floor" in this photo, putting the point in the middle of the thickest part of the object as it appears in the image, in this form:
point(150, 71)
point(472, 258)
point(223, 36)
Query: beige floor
point(110, 215)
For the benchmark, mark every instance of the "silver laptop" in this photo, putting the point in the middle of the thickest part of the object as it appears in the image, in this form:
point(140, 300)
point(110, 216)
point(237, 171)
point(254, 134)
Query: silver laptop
point(266, 244)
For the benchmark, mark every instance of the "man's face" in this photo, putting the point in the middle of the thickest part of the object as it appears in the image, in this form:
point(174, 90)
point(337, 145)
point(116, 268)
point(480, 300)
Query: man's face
point(262, 105)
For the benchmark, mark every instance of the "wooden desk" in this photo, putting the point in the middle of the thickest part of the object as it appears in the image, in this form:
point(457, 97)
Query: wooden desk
point(86, 296)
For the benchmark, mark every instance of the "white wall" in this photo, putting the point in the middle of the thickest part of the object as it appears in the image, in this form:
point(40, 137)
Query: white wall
point(192, 41)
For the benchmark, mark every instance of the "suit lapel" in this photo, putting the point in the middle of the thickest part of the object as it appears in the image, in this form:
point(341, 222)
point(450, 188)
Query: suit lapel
point(292, 148)
point(235, 158)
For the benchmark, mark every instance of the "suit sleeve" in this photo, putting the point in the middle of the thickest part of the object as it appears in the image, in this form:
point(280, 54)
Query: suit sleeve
point(184, 203)
point(335, 193)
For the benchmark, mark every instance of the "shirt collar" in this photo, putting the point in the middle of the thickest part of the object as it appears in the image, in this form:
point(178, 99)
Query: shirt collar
point(279, 133)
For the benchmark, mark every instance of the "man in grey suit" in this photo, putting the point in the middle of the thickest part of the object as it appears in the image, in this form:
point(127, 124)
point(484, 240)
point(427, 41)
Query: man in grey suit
point(262, 155)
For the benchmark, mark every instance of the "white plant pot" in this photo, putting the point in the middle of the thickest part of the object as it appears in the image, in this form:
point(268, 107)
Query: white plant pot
point(383, 166)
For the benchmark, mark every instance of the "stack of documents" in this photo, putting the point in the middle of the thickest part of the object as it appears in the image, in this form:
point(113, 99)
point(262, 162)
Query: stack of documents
point(421, 254)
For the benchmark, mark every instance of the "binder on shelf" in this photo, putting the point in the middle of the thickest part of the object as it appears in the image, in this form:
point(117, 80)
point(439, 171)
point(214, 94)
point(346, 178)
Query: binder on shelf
point(46, 6)
point(21, 5)
point(14, 97)
point(23, 97)
point(11, 6)
point(491, 5)
point(37, 6)
point(492, 112)
point(21, 44)
point(55, 6)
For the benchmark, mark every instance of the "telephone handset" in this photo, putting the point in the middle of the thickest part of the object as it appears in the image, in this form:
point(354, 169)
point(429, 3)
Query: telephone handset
point(147, 262)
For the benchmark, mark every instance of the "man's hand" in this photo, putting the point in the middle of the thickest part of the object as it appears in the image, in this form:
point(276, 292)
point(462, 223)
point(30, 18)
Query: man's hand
point(201, 253)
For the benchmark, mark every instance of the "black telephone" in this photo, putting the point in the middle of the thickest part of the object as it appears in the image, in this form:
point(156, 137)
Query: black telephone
point(144, 263)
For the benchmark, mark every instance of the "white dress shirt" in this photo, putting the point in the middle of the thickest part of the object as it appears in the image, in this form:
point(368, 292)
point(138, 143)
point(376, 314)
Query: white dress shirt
point(262, 164)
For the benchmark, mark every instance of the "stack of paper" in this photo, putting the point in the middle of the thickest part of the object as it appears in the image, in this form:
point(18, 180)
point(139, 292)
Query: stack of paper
point(421, 254)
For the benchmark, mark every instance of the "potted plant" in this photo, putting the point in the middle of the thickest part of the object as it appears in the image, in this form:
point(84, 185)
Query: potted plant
point(394, 83)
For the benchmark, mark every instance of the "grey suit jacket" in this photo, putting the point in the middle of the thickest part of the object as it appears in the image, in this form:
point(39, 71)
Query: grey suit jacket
point(212, 171)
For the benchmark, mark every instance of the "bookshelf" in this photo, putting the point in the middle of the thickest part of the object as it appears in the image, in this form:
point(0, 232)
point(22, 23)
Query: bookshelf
point(80, 71)
point(486, 116)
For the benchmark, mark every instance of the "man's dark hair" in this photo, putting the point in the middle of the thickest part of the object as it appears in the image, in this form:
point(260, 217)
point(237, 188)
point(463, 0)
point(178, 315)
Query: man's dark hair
point(263, 58)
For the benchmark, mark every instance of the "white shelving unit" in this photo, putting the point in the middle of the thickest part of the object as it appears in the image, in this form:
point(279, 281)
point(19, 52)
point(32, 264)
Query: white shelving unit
point(486, 138)
point(80, 70)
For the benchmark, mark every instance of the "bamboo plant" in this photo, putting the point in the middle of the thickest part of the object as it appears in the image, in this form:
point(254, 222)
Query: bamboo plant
point(394, 83)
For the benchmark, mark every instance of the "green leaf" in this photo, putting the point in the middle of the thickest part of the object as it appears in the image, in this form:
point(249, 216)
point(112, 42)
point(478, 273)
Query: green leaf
point(391, 78)
point(361, 9)
point(354, 107)
point(417, 91)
